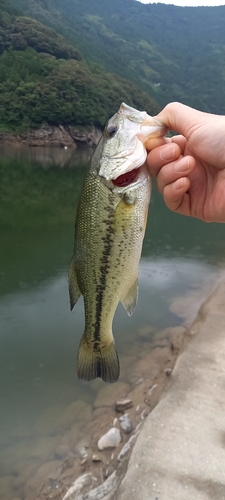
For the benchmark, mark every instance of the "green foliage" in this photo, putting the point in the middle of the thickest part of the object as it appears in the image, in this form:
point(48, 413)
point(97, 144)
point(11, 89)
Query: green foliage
point(168, 52)
point(180, 48)
point(43, 78)
point(21, 32)
point(35, 88)
point(7, 10)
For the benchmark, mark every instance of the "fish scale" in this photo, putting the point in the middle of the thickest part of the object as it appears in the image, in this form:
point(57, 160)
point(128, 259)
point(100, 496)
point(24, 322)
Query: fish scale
point(109, 231)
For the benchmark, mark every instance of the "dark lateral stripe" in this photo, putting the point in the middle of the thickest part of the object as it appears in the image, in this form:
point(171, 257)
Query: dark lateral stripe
point(104, 267)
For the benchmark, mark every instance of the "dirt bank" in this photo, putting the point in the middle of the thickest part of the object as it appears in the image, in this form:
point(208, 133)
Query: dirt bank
point(78, 454)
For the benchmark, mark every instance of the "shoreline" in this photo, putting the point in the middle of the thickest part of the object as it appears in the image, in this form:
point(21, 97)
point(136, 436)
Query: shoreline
point(90, 474)
point(92, 468)
point(67, 136)
point(113, 487)
point(74, 468)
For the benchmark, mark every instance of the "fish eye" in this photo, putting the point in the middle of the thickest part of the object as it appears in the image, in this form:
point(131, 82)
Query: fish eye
point(111, 131)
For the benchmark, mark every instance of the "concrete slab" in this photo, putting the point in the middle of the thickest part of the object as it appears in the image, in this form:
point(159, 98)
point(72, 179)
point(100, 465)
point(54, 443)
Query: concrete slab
point(180, 452)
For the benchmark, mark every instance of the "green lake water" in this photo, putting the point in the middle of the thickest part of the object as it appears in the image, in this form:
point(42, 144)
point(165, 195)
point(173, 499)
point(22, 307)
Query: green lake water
point(39, 336)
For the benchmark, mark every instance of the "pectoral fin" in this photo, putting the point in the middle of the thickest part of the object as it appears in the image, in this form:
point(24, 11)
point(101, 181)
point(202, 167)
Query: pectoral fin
point(130, 300)
point(74, 289)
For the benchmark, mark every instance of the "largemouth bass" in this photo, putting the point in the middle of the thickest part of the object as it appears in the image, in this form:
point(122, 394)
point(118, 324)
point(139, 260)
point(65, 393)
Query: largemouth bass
point(109, 231)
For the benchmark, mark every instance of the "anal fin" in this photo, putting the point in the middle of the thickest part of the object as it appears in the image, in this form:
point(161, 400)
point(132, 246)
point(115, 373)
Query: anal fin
point(74, 290)
point(130, 300)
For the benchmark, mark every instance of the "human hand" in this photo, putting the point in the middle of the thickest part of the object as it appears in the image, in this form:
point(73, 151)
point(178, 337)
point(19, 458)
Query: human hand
point(190, 168)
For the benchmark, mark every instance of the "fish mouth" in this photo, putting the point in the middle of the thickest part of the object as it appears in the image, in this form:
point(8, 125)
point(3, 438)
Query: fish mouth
point(127, 178)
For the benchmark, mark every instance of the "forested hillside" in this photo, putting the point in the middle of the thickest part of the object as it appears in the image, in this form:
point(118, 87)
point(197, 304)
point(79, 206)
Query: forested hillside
point(171, 52)
point(72, 61)
point(44, 79)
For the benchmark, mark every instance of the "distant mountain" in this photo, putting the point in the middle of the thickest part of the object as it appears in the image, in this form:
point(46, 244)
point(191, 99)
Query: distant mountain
point(45, 79)
point(21, 32)
point(173, 53)
point(167, 52)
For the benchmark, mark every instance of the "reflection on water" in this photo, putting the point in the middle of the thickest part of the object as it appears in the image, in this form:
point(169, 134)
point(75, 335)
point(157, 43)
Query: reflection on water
point(39, 336)
point(47, 157)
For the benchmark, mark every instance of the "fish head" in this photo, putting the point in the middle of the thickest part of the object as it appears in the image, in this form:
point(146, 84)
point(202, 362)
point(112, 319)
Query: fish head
point(123, 141)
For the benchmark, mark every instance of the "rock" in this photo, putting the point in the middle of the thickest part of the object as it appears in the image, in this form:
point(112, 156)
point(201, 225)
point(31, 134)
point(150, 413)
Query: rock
point(50, 135)
point(152, 389)
point(123, 405)
point(81, 447)
point(108, 395)
point(101, 492)
point(44, 447)
point(144, 414)
point(77, 413)
point(88, 137)
point(111, 439)
point(127, 446)
point(28, 470)
point(48, 470)
point(67, 464)
point(96, 458)
point(84, 461)
point(139, 381)
point(126, 423)
point(61, 451)
point(67, 443)
point(168, 371)
point(103, 413)
point(80, 483)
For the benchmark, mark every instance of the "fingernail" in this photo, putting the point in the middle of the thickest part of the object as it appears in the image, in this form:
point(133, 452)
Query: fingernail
point(182, 164)
point(178, 184)
point(167, 152)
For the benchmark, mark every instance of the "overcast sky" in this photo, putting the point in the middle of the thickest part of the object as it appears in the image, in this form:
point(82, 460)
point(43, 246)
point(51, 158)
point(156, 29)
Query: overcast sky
point(190, 3)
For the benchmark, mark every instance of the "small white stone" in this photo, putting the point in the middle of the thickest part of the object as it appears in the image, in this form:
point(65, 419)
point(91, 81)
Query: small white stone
point(111, 439)
point(143, 414)
point(125, 423)
point(152, 389)
point(123, 405)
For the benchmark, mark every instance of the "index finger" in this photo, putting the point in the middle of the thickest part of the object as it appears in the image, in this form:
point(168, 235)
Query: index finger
point(154, 142)
point(160, 156)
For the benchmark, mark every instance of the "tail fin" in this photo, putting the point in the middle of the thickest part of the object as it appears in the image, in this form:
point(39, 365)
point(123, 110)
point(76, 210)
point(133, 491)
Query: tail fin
point(95, 362)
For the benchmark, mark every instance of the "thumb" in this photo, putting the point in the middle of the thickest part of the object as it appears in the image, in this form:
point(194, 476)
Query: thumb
point(180, 118)
point(203, 131)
